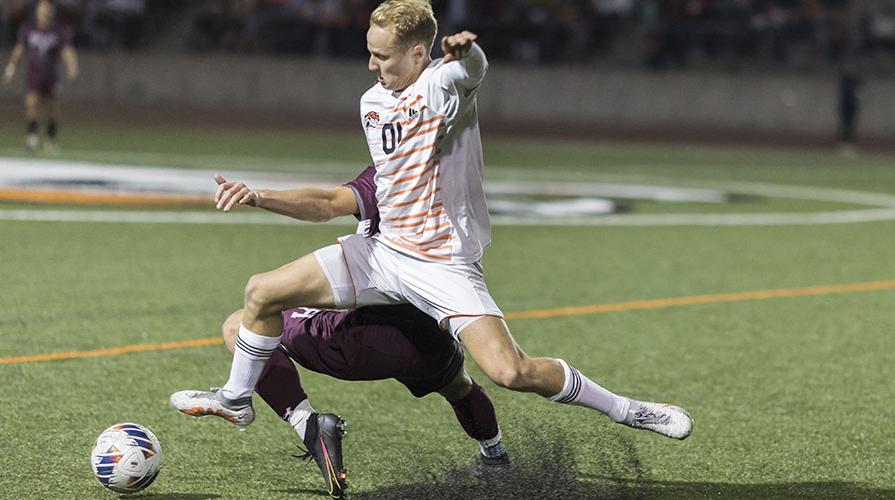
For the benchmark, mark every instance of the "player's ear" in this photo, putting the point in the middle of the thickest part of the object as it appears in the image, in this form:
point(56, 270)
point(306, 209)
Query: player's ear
point(418, 52)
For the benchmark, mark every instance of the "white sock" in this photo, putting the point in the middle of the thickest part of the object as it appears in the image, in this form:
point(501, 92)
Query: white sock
point(493, 448)
point(580, 390)
point(251, 354)
point(299, 417)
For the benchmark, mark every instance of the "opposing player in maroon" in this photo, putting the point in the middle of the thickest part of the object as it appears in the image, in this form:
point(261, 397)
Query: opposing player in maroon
point(369, 343)
point(44, 41)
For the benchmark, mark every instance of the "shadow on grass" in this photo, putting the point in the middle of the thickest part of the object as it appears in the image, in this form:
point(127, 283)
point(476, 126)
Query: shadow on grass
point(305, 492)
point(546, 469)
point(519, 485)
point(172, 496)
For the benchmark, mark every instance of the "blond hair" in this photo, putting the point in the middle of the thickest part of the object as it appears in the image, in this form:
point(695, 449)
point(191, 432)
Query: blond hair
point(410, 20)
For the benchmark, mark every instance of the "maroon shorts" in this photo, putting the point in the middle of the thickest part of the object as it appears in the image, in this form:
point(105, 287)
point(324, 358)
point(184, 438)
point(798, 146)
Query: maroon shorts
point(46, 87)
point(374, 343)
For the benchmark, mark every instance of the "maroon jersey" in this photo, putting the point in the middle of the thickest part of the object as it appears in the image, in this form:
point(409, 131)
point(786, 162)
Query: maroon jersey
point(364, 188)
point(377, 342)
point(374, 343)
point(43, 47)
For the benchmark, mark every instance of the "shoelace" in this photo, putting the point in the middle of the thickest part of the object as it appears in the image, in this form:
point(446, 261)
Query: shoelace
point(306, 454)
point(647, 416)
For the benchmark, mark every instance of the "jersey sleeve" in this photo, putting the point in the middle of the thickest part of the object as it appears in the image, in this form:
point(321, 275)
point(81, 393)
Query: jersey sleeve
point(364, 187)
point(467, 73)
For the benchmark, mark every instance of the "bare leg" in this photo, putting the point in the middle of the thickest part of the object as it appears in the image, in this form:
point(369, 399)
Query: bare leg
point(489, 342)
point(32, 106)
point(230, 329)
point(299, 283)
point(279, 385)
point(51, 118)
point(493, 348)
point(32, 115)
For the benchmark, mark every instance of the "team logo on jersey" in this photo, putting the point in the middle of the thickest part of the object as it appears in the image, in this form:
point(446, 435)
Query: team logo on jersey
point(371, 119)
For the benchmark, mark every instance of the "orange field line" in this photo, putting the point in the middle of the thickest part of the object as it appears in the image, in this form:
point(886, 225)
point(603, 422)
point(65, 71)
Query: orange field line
point(112, 351)
point(63, 196)
point(538, 313)
point(704, 299)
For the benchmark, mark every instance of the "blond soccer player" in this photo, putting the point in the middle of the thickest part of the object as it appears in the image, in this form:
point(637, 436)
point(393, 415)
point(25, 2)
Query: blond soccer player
point(422, 130)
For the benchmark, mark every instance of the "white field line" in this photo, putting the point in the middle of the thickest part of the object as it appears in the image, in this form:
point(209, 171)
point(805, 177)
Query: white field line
point(156, 217)
point(186, 217)
point(882, 206)
point(760, 219)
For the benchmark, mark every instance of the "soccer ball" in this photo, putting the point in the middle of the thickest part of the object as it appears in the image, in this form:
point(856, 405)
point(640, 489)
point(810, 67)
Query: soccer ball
point(126, 457)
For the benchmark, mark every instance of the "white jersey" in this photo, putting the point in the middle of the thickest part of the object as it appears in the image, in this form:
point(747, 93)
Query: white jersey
point(427, 152)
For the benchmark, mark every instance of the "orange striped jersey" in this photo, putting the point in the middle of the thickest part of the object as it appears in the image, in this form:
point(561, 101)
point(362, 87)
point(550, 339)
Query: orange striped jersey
point(427, 152)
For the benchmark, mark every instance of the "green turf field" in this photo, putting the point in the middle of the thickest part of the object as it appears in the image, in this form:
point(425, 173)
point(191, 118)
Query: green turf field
point(791, 396)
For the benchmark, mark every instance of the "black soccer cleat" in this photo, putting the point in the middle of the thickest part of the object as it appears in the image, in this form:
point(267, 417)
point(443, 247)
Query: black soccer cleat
point(323, 438)
point(488, 468)
point(502, 461)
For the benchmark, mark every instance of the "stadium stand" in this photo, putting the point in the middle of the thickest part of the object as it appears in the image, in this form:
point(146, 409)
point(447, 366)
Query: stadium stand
point(801, 35)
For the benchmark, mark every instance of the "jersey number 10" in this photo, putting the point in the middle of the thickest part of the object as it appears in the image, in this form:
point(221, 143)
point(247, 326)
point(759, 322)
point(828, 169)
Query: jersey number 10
point(391, 137)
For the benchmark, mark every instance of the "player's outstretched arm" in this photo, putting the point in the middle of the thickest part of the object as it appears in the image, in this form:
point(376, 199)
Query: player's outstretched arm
point(456, 46)
point(10, 70)
point(462, 47)
point(307, 204)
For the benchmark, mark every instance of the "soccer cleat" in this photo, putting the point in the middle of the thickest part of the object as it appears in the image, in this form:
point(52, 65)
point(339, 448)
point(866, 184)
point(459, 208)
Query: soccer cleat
point(323, 438)
point(501, 461)
point(486, 468)
point(212, 402)
point(32, 141)
point(663, 419)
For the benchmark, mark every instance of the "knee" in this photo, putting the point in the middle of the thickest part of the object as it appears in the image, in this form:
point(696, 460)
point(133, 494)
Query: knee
point(259, 295)
point(230, 329)
point(458, 388)
point(517, 376)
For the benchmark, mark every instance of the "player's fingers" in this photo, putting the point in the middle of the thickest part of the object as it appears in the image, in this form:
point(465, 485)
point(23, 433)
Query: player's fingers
point(229, 189)
point(236, 197)
point(249, 199)
point(231, 193)
point(222, 200)
point(217, 194)
point(220, 192)
point(446, 48)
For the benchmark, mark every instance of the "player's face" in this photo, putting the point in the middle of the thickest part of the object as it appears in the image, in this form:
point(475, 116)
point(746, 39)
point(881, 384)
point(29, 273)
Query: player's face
point(44, 14)
point(396, 66)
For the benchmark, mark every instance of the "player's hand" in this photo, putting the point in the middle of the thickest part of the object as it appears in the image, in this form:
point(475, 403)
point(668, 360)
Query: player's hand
point(230, 193)
point(8, 74)
point(456, 46)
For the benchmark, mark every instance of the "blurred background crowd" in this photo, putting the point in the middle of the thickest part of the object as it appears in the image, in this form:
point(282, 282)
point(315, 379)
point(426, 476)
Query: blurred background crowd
point(800, 35)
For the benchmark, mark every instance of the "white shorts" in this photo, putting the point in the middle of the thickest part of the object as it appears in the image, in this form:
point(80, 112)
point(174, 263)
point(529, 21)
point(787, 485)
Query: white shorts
point(364, 272)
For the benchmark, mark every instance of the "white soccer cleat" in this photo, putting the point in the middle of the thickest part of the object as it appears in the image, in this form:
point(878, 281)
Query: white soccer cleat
point(201, 403)
point(664, 419)
point(32, 141)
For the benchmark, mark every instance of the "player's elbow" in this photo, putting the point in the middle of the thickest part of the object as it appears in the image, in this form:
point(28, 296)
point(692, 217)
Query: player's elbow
point(323, 213)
